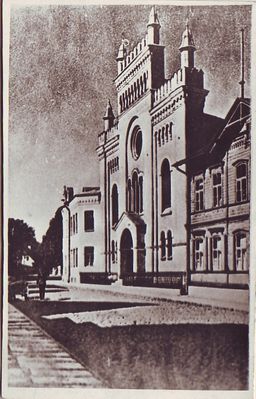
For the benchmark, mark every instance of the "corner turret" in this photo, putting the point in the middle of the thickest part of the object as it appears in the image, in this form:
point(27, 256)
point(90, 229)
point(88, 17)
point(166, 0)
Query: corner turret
point(187, 49)
point(122, 52)
point(153, 27)
point(109, 117)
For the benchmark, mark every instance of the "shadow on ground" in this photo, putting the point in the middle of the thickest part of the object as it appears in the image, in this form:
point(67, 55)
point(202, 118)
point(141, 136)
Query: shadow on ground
point(191, 356)
point(52, 307)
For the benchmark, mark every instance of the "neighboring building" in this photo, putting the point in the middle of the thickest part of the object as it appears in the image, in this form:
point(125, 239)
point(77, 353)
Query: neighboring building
point(162, 207)
point(220, 204)
point(83, 234)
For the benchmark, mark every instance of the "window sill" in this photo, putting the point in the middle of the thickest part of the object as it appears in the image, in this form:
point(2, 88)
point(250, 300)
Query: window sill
point(89, 231)
point(167, 211)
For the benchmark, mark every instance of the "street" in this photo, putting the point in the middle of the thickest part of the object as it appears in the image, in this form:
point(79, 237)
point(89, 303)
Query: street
point(123, 342)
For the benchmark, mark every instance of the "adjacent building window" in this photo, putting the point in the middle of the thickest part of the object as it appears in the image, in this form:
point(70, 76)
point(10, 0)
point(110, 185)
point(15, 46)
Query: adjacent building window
point(199, 194)
point(88, 256)
point(216, 253)
point(88, 221)
point(198, 254)
point(114, 205)
point(166, 184)
point(241, 251)
point(217, 189)
point(241, 182)
point(162, 245)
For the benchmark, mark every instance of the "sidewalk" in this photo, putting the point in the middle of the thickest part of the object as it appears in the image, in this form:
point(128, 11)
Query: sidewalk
point(37, 360)
point(217, 297)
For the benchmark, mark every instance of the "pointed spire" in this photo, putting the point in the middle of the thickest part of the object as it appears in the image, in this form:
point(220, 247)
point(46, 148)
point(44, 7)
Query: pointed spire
point(153, 18)
point(109, 116)
point(121, 52)
point(187, 48)
point(187, 38)
point(153, 27)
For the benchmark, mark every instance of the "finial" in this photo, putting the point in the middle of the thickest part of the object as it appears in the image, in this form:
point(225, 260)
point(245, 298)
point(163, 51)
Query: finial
point(242, 81)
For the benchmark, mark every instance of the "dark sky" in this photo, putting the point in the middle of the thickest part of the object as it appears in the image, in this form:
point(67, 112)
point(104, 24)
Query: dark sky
point(62, 66)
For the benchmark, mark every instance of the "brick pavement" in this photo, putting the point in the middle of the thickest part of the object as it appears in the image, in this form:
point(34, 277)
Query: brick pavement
point(37, 360)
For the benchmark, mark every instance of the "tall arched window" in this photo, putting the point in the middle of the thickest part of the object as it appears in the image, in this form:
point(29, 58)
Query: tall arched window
point(166, 184)
point(162, 245)
point(140, 194)
point(114, 205)
point(169, 244)
point(135, 189)
point(113, 251)
point(129, 195)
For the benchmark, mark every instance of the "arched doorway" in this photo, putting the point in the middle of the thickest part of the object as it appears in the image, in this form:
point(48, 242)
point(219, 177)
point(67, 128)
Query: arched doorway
point(126, 248)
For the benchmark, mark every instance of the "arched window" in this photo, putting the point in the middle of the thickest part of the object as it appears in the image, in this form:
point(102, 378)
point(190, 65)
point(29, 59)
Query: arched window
point(129, 96)
point(163, 130)
point(169, 244)
point(113, 251)
point(135, 189)
point(145, 81)
point(170, 130)
point(141, 86)
point(129, 195)
point(132, 97)
point(167, 133)
point(162, 245)
point(114, 205)
point(166, 184)
point(138, 88)
point(135, 90)
point(140, 194)
point(241, 182)
point(159, 138)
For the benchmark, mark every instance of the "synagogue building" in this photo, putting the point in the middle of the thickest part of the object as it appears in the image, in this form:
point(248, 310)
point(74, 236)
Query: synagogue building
point(173, 205)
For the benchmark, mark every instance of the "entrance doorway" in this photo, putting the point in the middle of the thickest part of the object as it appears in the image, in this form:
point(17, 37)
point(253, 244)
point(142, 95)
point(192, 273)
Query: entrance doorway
point(126, 248)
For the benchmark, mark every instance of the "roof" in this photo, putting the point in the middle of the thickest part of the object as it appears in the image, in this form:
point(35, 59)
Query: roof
point(218, 135)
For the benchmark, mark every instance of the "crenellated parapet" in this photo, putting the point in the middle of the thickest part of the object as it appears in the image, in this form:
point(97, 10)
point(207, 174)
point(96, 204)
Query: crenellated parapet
point(184, 76)
point(132, 55)
point(107, 135)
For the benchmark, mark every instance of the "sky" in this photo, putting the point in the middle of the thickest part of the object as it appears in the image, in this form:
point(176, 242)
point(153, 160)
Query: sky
point(61, 71)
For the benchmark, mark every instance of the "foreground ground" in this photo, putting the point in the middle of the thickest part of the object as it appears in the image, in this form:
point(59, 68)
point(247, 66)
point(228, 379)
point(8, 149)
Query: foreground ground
point(128, 343)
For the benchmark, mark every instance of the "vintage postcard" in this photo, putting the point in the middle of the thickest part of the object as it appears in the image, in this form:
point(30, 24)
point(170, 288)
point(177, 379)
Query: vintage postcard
point(128, 186)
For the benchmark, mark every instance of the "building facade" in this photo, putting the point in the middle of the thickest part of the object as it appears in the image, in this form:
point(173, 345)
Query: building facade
point(168, 214)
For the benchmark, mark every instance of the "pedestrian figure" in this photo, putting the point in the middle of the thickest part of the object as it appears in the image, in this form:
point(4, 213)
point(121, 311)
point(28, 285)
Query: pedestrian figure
point(41, 281)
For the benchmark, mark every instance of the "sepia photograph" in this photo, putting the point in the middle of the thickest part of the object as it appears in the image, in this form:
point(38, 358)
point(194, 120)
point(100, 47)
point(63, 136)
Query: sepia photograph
point(127, 199)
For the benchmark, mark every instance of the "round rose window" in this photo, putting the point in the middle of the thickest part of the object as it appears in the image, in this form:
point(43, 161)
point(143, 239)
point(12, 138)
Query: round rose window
point(136, 142)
